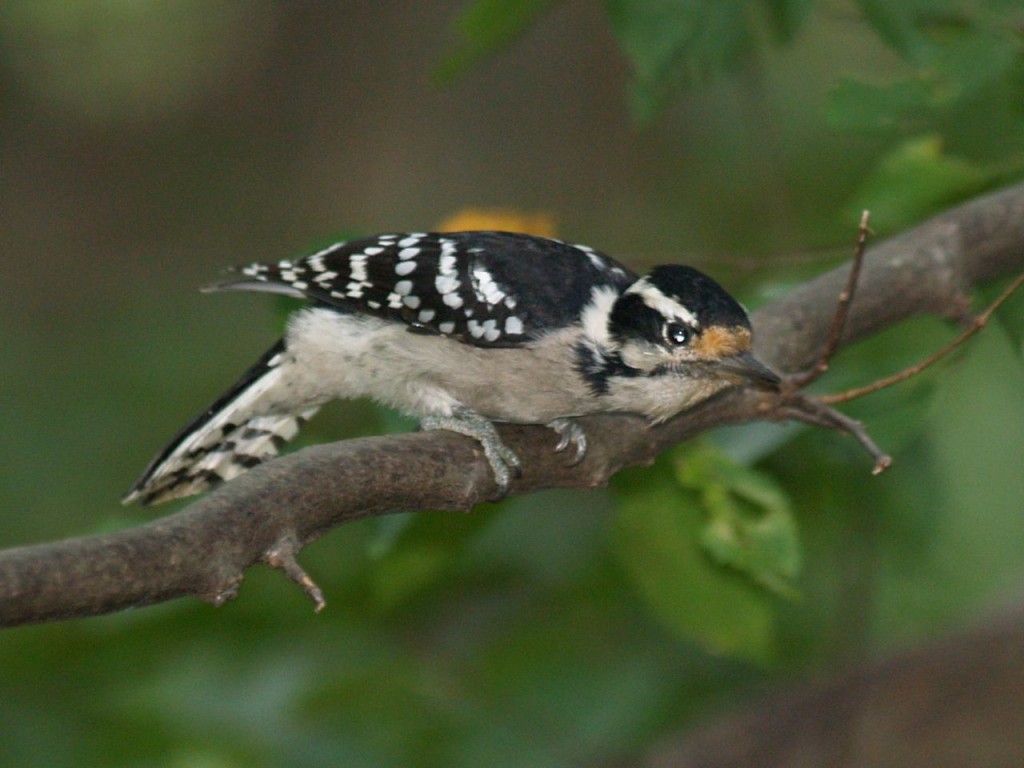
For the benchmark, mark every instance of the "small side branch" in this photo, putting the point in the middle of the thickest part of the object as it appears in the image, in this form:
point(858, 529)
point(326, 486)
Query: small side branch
point(810, 410)
point(283, 557)
point(835, 333)
point(976, 325)
point(818, 410)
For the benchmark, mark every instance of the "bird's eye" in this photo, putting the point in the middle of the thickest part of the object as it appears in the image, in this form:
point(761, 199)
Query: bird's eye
point(676, 334)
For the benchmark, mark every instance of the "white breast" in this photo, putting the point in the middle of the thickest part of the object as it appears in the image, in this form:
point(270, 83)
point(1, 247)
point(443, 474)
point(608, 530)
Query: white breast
point(346, 356)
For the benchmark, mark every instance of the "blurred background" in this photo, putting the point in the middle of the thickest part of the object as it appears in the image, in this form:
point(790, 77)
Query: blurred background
point(146, 146)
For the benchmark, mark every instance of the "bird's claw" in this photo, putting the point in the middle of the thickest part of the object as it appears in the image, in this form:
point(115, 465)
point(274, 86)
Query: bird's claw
point(570, 433)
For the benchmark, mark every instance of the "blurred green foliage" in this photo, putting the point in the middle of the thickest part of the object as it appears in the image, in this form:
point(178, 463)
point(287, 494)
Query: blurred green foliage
point(563, 628)
point(658, 534)
point(672, 44)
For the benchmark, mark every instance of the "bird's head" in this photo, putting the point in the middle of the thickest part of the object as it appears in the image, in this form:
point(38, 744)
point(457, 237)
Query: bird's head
point(678, 320)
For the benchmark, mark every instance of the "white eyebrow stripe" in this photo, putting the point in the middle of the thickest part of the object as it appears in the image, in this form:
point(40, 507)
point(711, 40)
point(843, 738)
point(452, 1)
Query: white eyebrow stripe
point(661, 303)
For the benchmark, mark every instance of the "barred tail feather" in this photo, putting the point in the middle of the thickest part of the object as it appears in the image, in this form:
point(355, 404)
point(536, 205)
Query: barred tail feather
point(235, 433)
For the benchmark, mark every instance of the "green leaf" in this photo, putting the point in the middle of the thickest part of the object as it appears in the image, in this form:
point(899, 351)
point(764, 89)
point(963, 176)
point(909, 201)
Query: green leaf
point(969, 59)
point(954, 53)
point(916, 179)
point(787, 16)
point(672, 44)
point(656, 536)
point(924, 31)
point(897, 23)
point(487, 26)
point(903, 106)
point(751, 526)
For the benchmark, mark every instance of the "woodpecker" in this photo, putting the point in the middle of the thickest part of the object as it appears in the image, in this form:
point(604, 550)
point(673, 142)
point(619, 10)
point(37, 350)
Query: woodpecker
point(464, 330)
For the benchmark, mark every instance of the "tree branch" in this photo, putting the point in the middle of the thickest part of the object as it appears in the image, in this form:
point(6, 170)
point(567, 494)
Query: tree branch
point(271, 512)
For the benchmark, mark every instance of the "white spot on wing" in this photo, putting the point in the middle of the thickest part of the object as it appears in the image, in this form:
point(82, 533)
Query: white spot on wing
point(486, 289)
point(316, 260)
point(490, 330)
point(446, 284)
point(595, 259)
point(405, 267)
point(513, 326)
point(357, 265)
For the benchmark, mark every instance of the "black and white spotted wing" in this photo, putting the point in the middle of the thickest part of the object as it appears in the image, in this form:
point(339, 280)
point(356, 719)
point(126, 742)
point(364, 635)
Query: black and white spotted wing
point(483, 288)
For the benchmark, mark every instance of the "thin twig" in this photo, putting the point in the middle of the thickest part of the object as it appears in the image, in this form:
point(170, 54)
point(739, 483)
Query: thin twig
point(812, 410)
point(835, 333)
point(979, 322)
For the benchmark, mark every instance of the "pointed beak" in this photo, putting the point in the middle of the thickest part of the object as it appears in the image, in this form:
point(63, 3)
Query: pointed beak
point(747, 369)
